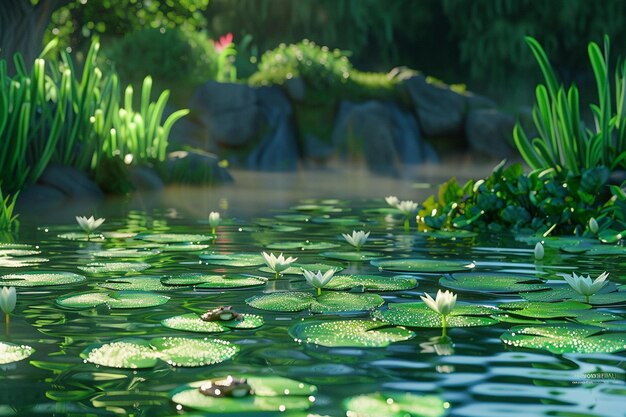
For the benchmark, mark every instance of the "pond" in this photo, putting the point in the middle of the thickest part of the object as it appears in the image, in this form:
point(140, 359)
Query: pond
point(503, 354)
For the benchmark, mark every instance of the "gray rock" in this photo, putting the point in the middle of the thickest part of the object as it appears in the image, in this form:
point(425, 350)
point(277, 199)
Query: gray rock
point(386, 136)
point(70, 181)
point(476, 101)
point(489, 131)
point(195, 167)
point(229, 112)
point(37, 195)
point(191, 131)
point(440, 111)
point(316, 149)
point(145, 179)
point(296, 88)
point(278, 149)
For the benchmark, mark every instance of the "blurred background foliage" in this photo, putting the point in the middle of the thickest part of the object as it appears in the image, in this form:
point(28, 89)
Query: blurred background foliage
point(476, 42)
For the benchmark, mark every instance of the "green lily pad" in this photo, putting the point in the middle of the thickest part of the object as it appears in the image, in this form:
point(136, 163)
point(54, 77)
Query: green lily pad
point(21, 262)
point(81, 236)
point(296, 269)
point(353, 256)
point(565, 338)
point(339, 221)
point(449, 234)
point(388, 404)
point(328, 302)
point(607, 295)
point(540, 310)
point(316, 208)
point(124, 253)
point(271, 394)
point(174, 237)
point(423, 265)
point(10, 352)
point(143, 283)
point(122, 299)
point(40, 279)
point(420, 315)
point(305, 245)
point(293, 217)
point(18, 252)
point(183, 247)
point(372, 282)
point(176, 351)
point(215, 281)
point(114, 267)
point(193, 323)
point(348, 333)
point(235, 259)
point(492, 282)
point(118, 235)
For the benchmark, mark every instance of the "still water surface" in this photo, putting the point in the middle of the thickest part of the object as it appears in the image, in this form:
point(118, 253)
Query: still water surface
point(478, 376)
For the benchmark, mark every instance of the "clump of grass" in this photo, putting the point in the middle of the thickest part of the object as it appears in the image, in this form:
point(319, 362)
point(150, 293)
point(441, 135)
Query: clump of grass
point(8, 220)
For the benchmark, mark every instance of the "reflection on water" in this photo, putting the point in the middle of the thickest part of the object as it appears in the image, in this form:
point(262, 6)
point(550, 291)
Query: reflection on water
point(471, 369)
point(254, 193)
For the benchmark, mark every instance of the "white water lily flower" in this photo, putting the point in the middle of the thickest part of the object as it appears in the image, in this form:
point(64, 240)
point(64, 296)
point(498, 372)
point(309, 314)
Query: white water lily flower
point(89, 224)
point(8, 299)
point(278, 263)
point(443, 304)
point(318, 280)
point(392, 200)
point(593, 225)
point(407, 207)
point(214, 219)
point(357, 239)
point(584, 286)
point(539, 252)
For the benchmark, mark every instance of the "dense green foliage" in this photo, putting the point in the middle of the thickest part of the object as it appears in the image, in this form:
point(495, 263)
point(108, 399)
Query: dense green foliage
point(77, 22)
point(55, 113)
point(169, 56)
point(564, 143)
point(540, 201)
point(323, 70)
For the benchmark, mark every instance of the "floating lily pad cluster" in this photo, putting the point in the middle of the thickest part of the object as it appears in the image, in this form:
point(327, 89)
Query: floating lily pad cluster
point(371, 308)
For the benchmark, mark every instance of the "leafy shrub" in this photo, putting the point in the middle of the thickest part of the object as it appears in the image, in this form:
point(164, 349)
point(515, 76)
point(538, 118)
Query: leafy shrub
point(509, 199)
point(166, 55)
point(323, 70)
point(564, 143)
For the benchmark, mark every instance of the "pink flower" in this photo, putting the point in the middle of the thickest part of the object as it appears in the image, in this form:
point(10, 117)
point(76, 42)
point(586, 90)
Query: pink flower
point(224, 41)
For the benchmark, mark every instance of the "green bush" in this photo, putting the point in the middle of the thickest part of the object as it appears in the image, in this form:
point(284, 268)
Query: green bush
point(327, 73)
point(509, 199)
point(8, 220)
point(169, 56)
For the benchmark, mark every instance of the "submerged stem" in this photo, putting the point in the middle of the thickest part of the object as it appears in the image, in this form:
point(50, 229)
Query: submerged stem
point(587, 299)
point(407, 224)
point(276, 277)
point(319, 292)
point(7, 321)
point(213, 230)
point(444, 324)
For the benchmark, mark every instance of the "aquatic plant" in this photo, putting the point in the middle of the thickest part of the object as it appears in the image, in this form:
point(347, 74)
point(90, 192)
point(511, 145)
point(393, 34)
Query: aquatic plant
point(8, 220)
point(584, 286)
point(89, 225)
point(539, 251)
point(8, 300)
point(55, 113)
point(318, 280)
point(541, 201)
point(443, 304)
point(357, 239)
point(277, 263)
point(564, 142)
point(214, 220)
